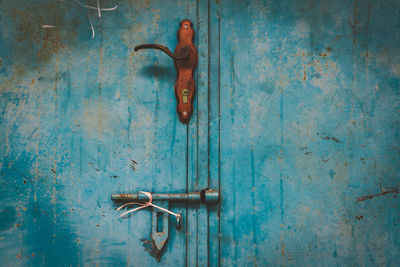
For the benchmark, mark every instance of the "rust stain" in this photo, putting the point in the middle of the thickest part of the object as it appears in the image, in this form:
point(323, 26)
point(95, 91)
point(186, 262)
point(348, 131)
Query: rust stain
point(394, 190)
point(29, 34)
point(33, 45)
point(151, 248)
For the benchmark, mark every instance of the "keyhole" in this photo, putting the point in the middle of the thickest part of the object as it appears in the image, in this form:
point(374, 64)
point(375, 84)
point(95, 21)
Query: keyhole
point(185, 93)
point(160, 217)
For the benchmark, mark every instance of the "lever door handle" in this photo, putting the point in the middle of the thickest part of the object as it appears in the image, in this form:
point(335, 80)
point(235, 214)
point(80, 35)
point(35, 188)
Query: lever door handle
point(185, 58)
point(183, 55)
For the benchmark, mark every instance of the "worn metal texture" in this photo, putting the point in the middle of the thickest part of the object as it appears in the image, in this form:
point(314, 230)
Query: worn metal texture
point(82, 118)
point(204, 196)
point(295, 122)
point(309, 106)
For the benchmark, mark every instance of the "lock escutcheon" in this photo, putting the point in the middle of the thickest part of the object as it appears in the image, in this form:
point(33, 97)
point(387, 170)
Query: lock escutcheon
point(185, 93)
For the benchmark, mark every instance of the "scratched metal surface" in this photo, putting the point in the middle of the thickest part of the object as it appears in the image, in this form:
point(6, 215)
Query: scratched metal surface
point(300, 100)
point(309, 122)
point(75, 112)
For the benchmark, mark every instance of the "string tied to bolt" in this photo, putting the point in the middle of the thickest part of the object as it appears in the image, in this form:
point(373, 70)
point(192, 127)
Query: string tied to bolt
point(149, 203)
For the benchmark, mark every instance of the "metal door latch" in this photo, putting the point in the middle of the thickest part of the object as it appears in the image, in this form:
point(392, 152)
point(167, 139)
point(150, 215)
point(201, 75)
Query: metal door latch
point(160, 202)
point(185, 58)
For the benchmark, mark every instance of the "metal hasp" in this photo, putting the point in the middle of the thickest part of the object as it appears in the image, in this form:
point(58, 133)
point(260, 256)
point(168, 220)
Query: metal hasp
point(159, 228)
point(185, 59)
point(160, 219)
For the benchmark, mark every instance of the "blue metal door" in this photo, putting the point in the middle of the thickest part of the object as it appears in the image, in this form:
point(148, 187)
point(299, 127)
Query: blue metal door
point(308, 143)
point(295, 124)
point(84, 116)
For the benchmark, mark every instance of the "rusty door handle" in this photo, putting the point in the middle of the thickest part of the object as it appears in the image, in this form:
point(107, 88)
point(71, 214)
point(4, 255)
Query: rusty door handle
point(184, 53)
point(185, 58)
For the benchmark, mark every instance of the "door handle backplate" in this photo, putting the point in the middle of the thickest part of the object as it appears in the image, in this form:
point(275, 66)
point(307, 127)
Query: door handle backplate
point(185, 58)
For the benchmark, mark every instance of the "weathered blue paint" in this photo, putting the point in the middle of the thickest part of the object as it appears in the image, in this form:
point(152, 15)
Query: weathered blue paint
point(296, 118)
point(75, 112)
point(309, 106)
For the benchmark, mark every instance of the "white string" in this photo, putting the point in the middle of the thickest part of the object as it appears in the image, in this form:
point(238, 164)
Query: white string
point(98, 9)
point(93, 7)
point(145, 205)
point(91, 26)
point(90, 7)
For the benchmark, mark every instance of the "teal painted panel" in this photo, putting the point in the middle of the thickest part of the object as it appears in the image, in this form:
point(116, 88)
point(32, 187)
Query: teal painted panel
point(309, 122)
point(75, 113)
point(296, 123)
